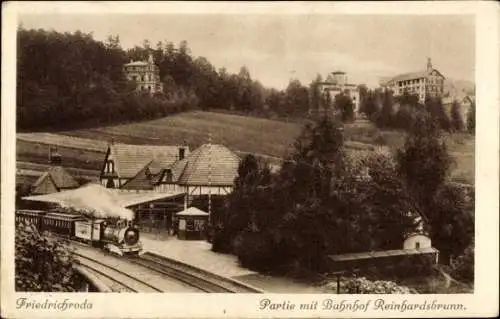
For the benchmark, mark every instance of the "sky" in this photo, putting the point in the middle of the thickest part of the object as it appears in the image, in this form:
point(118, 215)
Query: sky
point(276, 48)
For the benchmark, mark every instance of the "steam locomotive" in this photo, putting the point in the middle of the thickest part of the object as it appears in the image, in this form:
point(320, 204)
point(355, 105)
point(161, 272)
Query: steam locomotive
point(115, 235)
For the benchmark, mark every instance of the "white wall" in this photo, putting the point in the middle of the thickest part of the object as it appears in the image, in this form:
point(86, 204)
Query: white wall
point(411, 242)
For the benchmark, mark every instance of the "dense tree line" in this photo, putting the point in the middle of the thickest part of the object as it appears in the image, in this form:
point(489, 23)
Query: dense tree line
point(68, 79)
point(319, 203)
point(401, 112)
point(323, 202)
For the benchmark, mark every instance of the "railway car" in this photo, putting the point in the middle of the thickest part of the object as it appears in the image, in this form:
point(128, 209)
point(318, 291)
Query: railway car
point(31, 216)
point(61, 223)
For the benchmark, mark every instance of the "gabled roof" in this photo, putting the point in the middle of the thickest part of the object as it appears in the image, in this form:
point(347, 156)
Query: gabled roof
point(210, 164)
point(130, 159)
point(178, 168)
point(59, 176)
point(413, 75)
point(44, 185)
point(140, 181)
point(460, 97)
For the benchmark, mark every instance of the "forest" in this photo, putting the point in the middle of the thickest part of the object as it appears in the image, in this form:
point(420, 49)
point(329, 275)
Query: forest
point(71, 80)
point(324, 202)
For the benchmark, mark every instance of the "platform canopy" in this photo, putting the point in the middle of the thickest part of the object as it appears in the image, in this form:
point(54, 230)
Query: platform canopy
point(94, 195)
point(192, 211)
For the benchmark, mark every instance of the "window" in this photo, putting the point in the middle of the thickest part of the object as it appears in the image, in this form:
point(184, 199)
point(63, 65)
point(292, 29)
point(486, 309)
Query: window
point(168, 176)
point(417, 245)
point(190, 224)
point(110, 167)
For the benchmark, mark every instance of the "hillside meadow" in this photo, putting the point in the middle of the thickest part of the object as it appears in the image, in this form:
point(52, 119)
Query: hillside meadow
point(271, 139)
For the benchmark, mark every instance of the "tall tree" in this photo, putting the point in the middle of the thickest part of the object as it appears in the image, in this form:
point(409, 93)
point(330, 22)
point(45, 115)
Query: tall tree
point(343, 103)
point(471, 118)
point(368, 104)
point(424, 161)
point(315, 94)
point(384, 117)
point(297, 97)
point(456, 123)
point(434, 105)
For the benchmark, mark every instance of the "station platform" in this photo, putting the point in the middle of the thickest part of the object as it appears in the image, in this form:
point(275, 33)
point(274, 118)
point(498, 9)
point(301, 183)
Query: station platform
point(199, 254)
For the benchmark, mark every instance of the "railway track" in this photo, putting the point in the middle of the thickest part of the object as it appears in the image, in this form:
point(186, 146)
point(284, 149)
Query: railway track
point(118, 280)
point(195, 277)
point(199, 279)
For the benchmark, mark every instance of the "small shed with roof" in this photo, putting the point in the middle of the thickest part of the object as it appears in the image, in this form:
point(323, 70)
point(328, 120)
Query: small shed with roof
point(192, 224)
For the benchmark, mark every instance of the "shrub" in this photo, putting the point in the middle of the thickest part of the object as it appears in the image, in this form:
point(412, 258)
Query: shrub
point(42, 265)
point(362, 285)
point(255, 250)
point(463, 267)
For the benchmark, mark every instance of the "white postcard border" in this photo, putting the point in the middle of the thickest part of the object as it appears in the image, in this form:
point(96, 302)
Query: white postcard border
point(484, 301)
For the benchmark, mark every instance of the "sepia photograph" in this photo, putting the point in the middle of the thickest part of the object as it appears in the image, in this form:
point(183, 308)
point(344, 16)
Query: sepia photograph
point(314, 153)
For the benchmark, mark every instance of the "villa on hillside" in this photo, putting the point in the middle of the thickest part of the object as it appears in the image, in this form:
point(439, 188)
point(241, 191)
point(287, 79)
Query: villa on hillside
point(146, 75)
point(425, 83)
point(337, 83)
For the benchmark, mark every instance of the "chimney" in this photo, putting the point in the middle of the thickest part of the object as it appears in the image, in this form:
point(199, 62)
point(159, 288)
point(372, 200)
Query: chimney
point(429, 64)
point(54, 157)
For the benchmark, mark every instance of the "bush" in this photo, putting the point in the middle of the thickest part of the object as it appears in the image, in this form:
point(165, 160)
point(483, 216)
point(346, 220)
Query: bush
point(362, 285)
point(255, 251)
point(221, 241)
point(415, 266)
point(463, 267)
point(42, 265)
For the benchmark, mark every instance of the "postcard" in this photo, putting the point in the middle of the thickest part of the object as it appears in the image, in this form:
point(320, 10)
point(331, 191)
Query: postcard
point(249, 159)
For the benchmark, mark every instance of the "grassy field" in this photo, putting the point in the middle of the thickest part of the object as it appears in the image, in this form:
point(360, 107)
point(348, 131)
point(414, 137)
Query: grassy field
point(85, 148)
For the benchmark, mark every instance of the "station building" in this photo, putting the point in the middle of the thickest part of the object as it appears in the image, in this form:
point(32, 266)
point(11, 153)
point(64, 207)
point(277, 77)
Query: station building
point(178, 177)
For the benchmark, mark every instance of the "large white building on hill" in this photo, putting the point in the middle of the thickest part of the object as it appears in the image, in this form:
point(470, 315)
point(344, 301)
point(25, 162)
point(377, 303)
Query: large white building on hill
point(425, 83)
